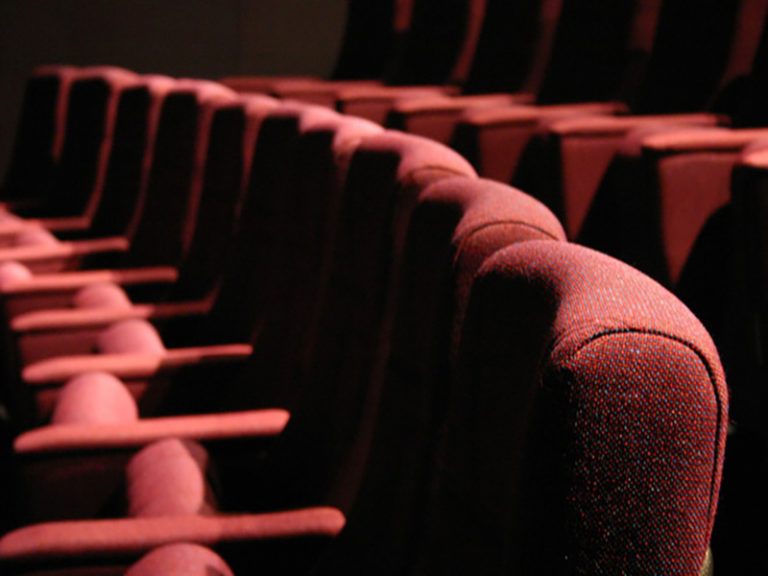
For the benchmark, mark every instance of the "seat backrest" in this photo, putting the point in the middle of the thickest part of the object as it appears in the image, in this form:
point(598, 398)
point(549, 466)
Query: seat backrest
point(371, 35)
point(249, 282)
point(514, 37)
point(346, 350)
point(135, 131)
point(599, 48)
point(748, 321)
point(88, 137)
point(300, 284)
point(169, 213)
point(234, 129)
point(440, 41)
point(457, 223)
point(746, 101)
point(39, 134)
point(586, 427)
point(714, 42)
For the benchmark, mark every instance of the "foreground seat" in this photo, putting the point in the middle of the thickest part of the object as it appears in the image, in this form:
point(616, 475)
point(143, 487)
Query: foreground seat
point(586, 427)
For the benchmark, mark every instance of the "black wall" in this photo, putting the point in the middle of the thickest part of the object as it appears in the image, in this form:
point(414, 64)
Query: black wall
point(200, 38)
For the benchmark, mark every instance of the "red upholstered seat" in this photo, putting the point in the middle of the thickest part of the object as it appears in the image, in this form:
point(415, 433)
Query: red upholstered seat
point(586, 427)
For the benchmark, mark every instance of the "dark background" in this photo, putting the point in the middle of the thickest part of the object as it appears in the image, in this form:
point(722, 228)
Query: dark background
point(199, 38)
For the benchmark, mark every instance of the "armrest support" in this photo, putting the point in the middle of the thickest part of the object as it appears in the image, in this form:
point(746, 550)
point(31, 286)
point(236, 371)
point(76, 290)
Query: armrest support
point(581, 150)
point(208, 427)
point(494, 139)
point(133, 536)
point(136, 366)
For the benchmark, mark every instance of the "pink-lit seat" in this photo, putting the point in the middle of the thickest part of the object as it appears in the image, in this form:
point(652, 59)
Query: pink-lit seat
point(606, 404)
point(440, 231)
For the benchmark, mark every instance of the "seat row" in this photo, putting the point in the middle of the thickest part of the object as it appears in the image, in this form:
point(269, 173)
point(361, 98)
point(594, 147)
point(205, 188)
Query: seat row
point(616, 119)
point(333, 348)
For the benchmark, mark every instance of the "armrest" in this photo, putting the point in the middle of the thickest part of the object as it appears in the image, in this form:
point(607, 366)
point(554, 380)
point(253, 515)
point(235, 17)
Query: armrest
point(46, 291)
point(322, 92)
point(67, 319)
point(208, 427)
point(130, 536)
point(686, 141)
point(488, 117)
point(68, 281)
point(253, 83)
point(127, 366)
point(375, 103)
point(63, 250)
point(599, 126)
point(436, 117)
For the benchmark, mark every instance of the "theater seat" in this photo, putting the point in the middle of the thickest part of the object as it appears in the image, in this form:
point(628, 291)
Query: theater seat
point(586, 424)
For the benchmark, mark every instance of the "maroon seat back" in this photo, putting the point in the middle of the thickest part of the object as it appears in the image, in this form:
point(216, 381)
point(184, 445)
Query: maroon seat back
point(513, 46)
point(234, 128)
point(587, 424)
point(170, 201)
point(135, 131)
point(88, 137)
point(347, 349)
point(372, 32)
point(300, 284)
point(599, 51)
point(244, 295)
point(39, 133)
point(715, 42)
point(440, 43)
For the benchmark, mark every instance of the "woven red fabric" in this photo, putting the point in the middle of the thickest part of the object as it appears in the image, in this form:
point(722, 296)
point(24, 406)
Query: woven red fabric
point(588, 423)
